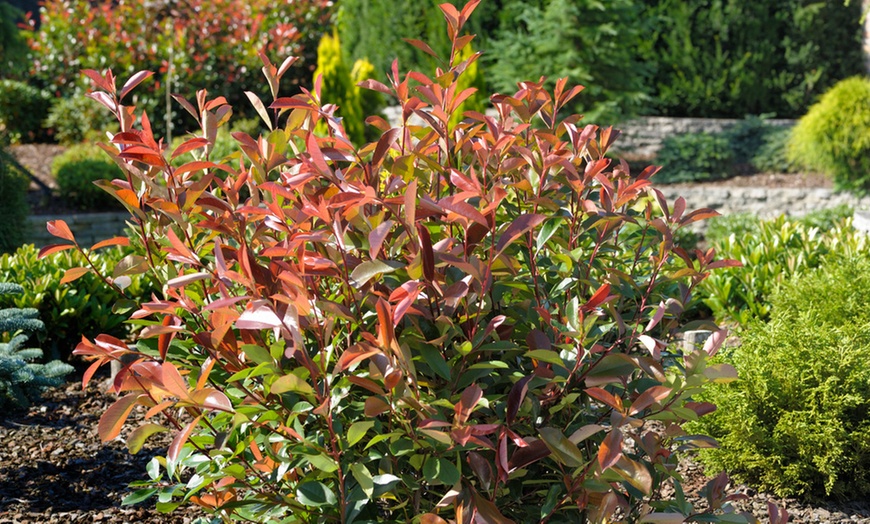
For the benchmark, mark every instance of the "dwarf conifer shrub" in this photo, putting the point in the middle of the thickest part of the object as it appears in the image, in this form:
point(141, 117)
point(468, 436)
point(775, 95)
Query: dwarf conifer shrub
point(834, 136)
point(797, 423)
point(468, 322)
point(21, 379)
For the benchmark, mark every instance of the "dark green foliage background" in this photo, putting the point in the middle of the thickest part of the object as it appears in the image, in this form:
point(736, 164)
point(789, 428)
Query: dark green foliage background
point(76, 170)
point(13, 204)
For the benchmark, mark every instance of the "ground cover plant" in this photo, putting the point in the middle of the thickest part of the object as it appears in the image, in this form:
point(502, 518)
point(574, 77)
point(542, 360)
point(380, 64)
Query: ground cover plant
point(771, 252)
point(467, 321)
point(796, 423)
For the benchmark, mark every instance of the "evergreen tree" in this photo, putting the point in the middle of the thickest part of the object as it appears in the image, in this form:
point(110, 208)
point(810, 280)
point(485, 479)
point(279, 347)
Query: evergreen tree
point(21, 379)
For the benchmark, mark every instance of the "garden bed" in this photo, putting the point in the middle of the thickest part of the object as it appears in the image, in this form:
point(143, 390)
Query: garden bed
point(54, 469)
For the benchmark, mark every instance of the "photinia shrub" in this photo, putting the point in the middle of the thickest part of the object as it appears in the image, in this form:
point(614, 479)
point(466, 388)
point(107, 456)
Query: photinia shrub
point(469, 322)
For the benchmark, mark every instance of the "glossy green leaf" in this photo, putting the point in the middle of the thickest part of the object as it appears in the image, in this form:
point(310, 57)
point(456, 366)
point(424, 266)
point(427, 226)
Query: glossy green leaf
point(315, 494)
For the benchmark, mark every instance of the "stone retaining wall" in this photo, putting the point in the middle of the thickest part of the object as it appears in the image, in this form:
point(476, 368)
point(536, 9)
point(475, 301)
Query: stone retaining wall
point(763, 202)
point(642, 137)
point(88, 228)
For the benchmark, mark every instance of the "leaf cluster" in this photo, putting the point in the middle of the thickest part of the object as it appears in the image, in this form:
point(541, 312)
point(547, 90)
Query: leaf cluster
point(22, 380)
point(469, 321)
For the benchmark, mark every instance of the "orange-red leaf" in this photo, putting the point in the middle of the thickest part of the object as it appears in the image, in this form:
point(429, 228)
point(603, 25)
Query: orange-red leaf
point(114, 417)
point(114, 241)
point(74, 273)
point(59, 229)
point(610, 450)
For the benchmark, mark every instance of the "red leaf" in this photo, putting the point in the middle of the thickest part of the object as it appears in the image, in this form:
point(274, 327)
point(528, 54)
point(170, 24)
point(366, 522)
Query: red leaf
point(467, 401)
point(164, 339)
point(605, 397)
point(520, 225)
point(134, 81)
point(190, 145)
point(374, 85)
point(597, 298)
point(173, 382)
point(422, 46)
point(53, 248)
point(354, 354)
point(515, 398)
point(648, 398)
point(59, 229)
point(377, 236)
point(180, 439)
point(533, 452)
point(113, 419)
point(610, 450)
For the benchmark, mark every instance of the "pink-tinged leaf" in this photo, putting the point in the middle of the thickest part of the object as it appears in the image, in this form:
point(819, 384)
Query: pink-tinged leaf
point(181, 248)
point(173, 382)
point(99, 81)
point(183, 280)
point(258, 316)
point(53, 248)
point(180, 439)
point(777, 515)
point(469, 399)
point(516, 397)
point(139, 435)
point(605, 397)
point(289, 103)
point(260, 108)
point(374, 85)
point(89, 373)
point(377, 236)
point(520, 225)
point(597, 298)
point(701, 408)
point(384, 143)
point(714, 341)
point(285, 65)
point(74, 273)
point(648, 398)
point(463, 209)
point(725, 263)
point(651, 345)
point(697, 215)
point(134, 81)
point(585, 432)
point(59, 229)
point(104, 100)
point(212, 399)
point(635, 473)
point(657, 316)
point(114, 241)
point(410, 205)
point(469, 8)
point(487, 512)
point(113, 419)
point(610, 450)
point(450, 12)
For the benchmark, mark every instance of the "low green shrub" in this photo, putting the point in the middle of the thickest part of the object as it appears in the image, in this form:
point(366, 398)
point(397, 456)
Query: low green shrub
point(772, 154)
point(13, 203)
point(22, 111)
point(695, 157)
point(22, 380)
point(76, 119)
point(797, 422)
point(834, 136)
point(84, 307)
point(772, 251)
point(76, 170)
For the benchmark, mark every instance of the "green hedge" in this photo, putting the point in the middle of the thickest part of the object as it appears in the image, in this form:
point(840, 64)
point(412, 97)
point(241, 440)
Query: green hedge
point(13, 203)
point(76, 170)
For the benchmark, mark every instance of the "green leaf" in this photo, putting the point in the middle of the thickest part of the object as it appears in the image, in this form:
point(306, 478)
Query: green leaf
point(566, 451)
point(138, 496)
point(546, 355)
point(315, 494)
point(367, 270)
point(322, 462)
point(449, 473)
point(138, 437)
point(364, 478)
point(291, 382)
point(547, 230)
point(357, 431)
point(258, 354)
point(436, 361)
